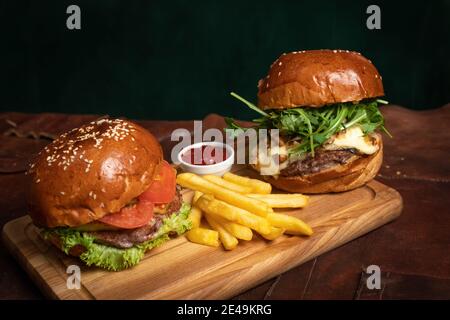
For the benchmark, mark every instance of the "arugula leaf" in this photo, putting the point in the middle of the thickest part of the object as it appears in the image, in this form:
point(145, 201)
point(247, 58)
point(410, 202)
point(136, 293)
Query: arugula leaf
point(233, 128)
point(249, 104)
point(313, 126)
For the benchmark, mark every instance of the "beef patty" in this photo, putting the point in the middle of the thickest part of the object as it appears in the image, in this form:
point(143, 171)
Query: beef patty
point(128, 238)
point(323, 159)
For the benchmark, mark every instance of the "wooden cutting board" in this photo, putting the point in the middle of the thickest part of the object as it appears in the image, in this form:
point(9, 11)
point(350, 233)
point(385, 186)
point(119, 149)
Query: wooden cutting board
point(183, 270)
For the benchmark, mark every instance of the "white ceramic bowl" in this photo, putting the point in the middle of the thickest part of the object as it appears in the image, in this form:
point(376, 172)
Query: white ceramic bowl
point(217, 169)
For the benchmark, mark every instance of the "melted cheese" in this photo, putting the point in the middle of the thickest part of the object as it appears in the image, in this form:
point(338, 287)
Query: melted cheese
point(95, 226)
point(353, 138)
point(268, 160)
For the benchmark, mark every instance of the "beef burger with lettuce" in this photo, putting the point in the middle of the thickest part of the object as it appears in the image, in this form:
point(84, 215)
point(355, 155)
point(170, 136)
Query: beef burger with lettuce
point(103, 193)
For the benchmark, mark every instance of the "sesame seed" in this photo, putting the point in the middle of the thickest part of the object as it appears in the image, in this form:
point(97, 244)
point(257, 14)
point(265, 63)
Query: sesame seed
point(62, 193)
point(280, 63)
point(38, 180)
point(65, 152)
point(279, 73)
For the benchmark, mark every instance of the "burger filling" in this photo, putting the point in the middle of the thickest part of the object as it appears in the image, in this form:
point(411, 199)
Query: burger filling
point(314, 139)
point(119, 240)
point(322, 160)
point(128, 238)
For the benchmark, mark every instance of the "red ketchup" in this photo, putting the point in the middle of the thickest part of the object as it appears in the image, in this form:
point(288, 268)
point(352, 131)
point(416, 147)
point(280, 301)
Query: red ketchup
point(205, 155)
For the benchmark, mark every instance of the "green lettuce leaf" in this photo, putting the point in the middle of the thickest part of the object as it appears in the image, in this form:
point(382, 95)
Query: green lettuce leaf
point(116, 259)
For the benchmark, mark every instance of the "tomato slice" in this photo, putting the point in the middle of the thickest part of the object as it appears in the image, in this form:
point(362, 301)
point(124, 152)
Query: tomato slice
point(162, 189)
point(130, 217)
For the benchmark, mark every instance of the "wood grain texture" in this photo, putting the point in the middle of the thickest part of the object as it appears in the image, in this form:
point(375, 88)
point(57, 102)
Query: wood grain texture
point(183, 270)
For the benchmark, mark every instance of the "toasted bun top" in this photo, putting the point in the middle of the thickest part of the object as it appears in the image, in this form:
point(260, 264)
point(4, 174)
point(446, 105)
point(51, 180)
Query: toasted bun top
point(91, 171)
point(317, 78)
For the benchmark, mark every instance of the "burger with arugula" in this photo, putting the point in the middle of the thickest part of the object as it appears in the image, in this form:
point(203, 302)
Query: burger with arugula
point(325, 104)
point(103, 193)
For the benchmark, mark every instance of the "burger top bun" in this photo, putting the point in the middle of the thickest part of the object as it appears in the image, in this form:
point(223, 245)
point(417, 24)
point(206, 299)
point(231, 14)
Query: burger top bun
point(317, 78)
point(91, 171)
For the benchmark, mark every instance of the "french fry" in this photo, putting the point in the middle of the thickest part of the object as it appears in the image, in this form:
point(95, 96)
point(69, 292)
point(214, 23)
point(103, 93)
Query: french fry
point(194, 182)
point(273, 234)
point(257, 186)
point(292, 225)
point(228, 240)
point(239, 231)
point(208, 204)
point(293, 200)
point(227, 184)
point(197, 194)
point(195, 215)
point(203, 236)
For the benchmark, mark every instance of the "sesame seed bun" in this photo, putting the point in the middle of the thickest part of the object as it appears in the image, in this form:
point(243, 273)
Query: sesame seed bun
point(318, 78)
point(91, 171)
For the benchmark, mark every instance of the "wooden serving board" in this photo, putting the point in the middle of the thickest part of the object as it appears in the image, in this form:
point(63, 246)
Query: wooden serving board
point(183, 270)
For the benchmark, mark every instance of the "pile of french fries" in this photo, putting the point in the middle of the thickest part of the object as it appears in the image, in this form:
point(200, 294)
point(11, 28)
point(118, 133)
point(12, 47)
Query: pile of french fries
point(235, 206)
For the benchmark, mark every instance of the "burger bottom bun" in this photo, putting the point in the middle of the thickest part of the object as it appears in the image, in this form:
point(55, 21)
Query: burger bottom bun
point(339, 178)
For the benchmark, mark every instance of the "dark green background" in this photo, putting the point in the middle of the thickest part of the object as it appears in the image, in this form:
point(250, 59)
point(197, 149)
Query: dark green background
point(180, 59)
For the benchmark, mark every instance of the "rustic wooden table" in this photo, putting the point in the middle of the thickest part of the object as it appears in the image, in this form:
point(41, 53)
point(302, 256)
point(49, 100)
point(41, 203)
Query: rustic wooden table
point(412, 252)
